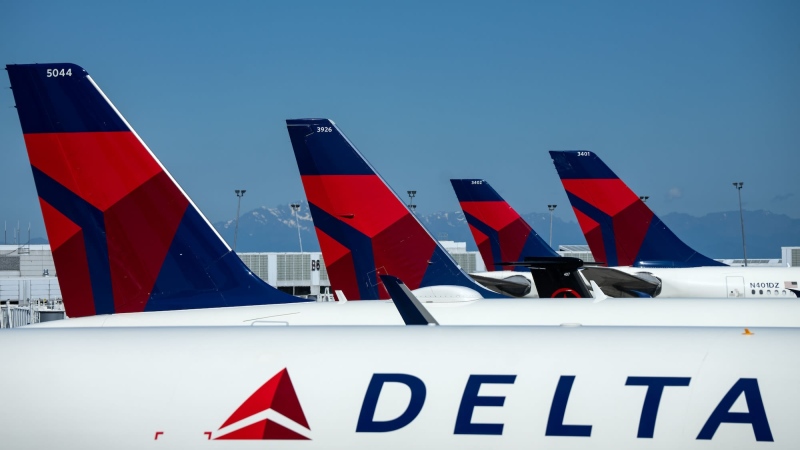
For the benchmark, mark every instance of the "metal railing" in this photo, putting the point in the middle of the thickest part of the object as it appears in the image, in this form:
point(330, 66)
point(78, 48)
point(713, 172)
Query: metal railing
point(13, 316)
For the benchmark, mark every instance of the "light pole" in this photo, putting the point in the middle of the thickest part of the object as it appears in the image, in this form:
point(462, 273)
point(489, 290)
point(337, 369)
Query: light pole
point(411, 205)
point(738, 185)
point(551, 208)
point(239, 195)
point(295, 208)
point(644, 198)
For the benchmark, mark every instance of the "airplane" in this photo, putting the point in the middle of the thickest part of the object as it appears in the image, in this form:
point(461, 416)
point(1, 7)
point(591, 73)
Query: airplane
point(499, 231)
point(363, 228)
point(569, 312)
point(125, 237)
point(625, 234)
point(619, 227)
point(503, 235)
point(401, 387)
point(189, 304)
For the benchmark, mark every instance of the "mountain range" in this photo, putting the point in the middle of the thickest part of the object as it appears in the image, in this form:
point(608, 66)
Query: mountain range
point(717, 235)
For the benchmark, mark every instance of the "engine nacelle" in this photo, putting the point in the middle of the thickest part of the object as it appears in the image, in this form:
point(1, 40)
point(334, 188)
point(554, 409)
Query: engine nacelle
point(446, 294)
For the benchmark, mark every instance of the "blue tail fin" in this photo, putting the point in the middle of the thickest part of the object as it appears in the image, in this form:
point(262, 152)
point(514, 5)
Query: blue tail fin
point(124, 235)
point(499, 231)
point(364, 229)
point(620, 229)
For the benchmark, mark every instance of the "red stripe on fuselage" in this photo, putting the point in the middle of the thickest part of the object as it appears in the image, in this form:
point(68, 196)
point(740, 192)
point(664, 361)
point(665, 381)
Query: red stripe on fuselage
point(140, 228)
point(608, 195)
point(368, 204)
point(100, 167)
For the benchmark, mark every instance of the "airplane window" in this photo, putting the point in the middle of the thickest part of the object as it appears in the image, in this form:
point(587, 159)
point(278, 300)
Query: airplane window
point(769, 292)
point(776, 292)
point(753, 292)
point(760, 292)
point(783, 292)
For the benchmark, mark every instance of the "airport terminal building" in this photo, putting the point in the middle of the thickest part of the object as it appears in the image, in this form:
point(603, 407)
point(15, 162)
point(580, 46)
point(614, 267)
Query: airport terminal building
point(27, 271)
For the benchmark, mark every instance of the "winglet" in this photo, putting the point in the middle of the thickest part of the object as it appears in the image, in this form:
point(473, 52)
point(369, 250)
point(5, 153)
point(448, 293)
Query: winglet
point(407, 305)
point(499, 231)
point(619, 227)
point(124, 236)
point(598, 293)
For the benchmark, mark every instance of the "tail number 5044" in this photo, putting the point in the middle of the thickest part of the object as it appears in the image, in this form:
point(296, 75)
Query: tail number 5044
point(53, 73)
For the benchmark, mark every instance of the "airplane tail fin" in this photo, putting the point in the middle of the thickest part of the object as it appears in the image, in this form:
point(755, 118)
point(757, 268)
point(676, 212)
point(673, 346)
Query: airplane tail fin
point(124, 235)
point(619, 228)
point(364, 229)
point(499, 231)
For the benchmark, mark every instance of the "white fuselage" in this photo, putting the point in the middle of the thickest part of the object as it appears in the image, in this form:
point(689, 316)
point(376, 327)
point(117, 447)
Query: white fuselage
point(705, 282)
point(400, 388)
point(553, 312)
point(718, 281)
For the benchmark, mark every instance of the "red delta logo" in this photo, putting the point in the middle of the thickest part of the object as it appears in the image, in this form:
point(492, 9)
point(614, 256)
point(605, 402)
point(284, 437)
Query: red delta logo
point(273, 412)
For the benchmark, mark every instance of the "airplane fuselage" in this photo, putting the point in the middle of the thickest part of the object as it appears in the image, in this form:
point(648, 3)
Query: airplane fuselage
point(548, 312)
point(725, 281)
point(402, 387)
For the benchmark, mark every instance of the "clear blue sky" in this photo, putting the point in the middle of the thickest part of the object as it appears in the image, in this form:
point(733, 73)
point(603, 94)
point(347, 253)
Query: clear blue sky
point(681, 98)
